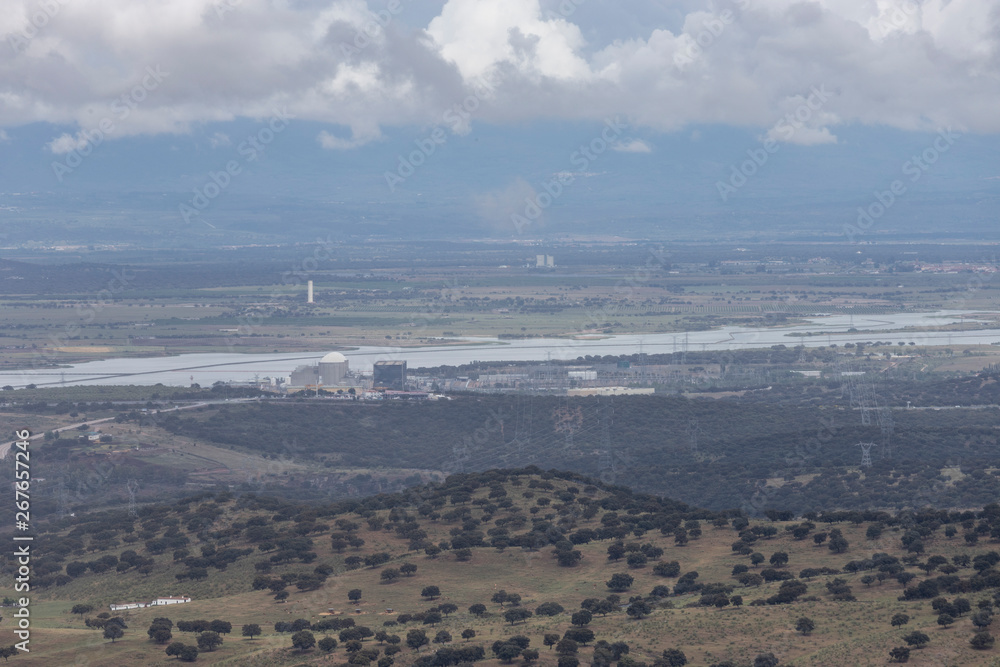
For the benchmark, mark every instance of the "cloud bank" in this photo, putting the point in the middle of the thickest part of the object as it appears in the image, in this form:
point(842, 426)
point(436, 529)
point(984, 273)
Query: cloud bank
point(360, 67)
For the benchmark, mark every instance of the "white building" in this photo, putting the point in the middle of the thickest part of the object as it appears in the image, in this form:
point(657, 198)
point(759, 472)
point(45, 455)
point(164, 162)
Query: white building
point(611, 391)
point(158, 602)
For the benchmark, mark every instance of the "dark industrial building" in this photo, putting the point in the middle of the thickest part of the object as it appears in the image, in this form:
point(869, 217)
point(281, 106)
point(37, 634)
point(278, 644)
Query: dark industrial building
point(389, 375)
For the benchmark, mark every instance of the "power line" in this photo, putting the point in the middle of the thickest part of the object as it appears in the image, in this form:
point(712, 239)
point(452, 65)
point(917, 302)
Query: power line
point(692, 433)
point(608, 469)
point(132, 487)
point(866, 453)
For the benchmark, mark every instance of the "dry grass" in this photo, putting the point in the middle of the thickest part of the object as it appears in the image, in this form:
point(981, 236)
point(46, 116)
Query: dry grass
point(847, 633)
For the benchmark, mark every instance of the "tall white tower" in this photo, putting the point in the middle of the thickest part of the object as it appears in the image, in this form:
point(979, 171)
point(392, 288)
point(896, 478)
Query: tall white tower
point(309, 288)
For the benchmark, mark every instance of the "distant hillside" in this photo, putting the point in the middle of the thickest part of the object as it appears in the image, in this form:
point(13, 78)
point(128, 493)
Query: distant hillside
point(714, 454)
point(512, 565)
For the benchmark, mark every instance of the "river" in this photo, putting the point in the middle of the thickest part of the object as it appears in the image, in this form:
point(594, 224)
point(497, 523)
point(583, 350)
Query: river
point(208, 368)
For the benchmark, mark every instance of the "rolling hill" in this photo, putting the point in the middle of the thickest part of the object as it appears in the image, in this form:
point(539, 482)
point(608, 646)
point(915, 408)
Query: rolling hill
point(513, 556)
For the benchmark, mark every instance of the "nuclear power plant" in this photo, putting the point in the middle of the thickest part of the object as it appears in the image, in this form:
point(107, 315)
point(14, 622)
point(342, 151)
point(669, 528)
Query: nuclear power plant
point(332, 375)
point(331, 371)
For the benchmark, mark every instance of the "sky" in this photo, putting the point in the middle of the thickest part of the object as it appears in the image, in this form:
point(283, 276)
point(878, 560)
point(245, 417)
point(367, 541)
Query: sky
point(372, 98)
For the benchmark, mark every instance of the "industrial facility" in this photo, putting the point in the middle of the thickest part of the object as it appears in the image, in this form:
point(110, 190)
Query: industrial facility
point(545, 261)
point(332, 370)
point(389, 375)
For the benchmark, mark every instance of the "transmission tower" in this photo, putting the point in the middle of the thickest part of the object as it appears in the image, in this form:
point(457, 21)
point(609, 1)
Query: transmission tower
point(887, 426)
point(61, 498)
point(251, 468)
point(882, 413)
point(866, 453)
point(607, 460)
point(642, 364)
point(522, 429)
point(132, 487)
point(692, 433)
point(845, 371)
point(856, 385)
point(864, 395)
point(567, 420)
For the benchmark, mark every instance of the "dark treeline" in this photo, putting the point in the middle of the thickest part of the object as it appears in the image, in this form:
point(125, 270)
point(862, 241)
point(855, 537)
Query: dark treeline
point(715, 454)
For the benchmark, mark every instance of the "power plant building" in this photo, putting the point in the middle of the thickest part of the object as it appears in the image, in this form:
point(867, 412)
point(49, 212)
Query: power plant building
point(544, 261)
point(330, 371)
point(389, 374)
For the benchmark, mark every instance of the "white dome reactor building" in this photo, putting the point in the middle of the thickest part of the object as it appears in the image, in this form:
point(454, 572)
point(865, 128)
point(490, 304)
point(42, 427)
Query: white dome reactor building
point(331, 370)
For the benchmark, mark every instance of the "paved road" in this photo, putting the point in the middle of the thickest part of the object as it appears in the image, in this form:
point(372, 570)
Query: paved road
point(5, 447)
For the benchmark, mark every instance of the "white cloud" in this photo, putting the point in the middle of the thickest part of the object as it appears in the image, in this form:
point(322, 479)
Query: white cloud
point(634, 146)
point(67, 143)
point(497, 206)
point(3, 136)
point(359, 137)
point(219, 139)
point(895, 63)
point(805, 136)
point(805, 119)
point(478, 35)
